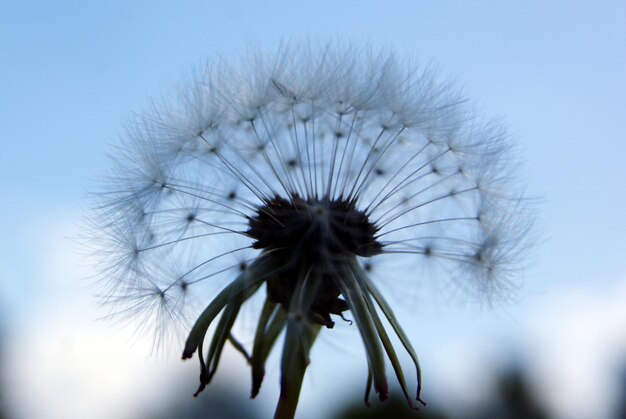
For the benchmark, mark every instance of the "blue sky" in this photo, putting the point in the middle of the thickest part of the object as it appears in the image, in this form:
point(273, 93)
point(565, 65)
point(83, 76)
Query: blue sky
point(72, 72)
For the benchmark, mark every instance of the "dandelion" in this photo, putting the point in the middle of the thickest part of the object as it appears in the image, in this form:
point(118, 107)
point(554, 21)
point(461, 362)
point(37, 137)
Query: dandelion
point(286, 176)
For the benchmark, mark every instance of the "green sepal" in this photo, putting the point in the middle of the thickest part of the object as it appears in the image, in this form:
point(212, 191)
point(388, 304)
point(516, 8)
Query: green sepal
point(239, 347)
point(391, 318)
point(250, 278)
point(221, 335)
point(271, 323)
point(391, 353)
point(352, 292)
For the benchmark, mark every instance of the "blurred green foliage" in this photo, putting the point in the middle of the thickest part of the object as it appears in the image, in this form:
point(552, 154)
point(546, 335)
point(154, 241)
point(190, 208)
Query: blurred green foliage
point(3, 408)
point(512, 400)
point(218, 403)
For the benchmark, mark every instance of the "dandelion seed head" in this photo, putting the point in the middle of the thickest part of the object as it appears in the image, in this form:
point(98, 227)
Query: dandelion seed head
point(297, 171)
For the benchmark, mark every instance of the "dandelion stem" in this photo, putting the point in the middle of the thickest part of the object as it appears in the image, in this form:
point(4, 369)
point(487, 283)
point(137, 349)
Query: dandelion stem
point(298, 342)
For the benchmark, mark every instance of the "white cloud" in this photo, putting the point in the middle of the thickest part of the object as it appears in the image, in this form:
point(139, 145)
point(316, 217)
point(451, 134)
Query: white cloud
point(577, 347)
point(62, 363)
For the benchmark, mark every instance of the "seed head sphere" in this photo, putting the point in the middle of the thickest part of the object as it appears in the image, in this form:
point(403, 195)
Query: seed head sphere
point(284, 176)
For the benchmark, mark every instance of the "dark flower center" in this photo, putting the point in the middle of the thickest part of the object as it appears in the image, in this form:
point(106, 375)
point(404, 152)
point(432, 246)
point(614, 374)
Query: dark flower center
point(311, 237)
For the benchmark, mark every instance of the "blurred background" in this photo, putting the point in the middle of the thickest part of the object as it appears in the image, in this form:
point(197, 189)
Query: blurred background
point(71, 74)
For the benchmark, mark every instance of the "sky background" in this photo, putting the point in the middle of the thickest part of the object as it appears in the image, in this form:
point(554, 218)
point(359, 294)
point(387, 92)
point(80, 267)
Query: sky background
point(72, 73)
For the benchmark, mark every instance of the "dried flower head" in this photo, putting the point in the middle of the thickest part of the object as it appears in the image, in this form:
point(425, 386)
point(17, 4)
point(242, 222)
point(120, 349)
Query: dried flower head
point(285, 175)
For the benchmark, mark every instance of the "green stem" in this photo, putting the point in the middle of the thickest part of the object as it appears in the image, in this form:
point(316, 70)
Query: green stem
point(299, 339)
point(289, 396)
point(298, 342)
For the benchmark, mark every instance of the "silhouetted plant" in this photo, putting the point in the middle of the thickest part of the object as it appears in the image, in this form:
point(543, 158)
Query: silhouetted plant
point(513, 399)
point(619, 411)
point(394, 408)
point(289, 174)
point(222, 403)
